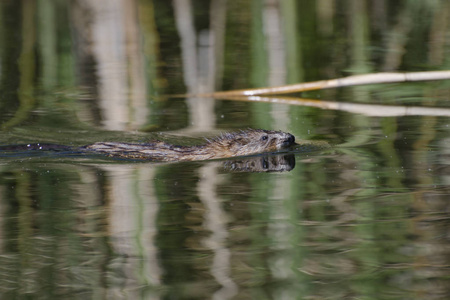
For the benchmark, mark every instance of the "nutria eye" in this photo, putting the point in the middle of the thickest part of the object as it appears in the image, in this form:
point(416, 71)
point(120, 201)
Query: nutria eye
point(264, 138)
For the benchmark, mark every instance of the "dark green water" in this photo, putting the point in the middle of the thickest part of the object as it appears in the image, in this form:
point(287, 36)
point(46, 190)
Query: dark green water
point(365, 219)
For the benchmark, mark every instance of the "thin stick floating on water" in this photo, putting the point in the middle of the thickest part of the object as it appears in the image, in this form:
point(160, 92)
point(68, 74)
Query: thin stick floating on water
point(336, 83)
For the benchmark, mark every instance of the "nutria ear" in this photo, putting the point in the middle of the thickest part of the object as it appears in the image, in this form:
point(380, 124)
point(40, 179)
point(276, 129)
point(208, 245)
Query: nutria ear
point(239, 141)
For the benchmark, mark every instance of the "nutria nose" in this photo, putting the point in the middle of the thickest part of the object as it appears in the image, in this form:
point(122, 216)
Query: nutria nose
point(291, 139)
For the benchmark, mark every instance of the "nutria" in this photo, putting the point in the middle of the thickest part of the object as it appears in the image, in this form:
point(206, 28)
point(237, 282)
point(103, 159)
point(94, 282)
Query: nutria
point(242, 143)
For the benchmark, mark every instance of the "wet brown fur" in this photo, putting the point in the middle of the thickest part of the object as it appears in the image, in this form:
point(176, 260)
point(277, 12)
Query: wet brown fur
point(241, 143)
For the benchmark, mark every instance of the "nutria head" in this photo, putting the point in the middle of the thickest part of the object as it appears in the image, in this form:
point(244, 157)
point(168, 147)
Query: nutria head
point(252, 141)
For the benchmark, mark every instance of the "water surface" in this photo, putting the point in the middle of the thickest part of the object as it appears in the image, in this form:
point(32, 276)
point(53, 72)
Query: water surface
point(366, 218)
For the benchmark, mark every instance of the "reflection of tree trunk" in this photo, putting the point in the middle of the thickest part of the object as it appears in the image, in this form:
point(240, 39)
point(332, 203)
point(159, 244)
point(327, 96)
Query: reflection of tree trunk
point(185, 25)
point(48, 43)
point(26, 64)
point(136, 71)
point(359, 37)
point(438, 39)
point(108, 34)
point(275, 43)
point(132, 223)
point(151, 46)
point(292, 38)
point(217, 40)
point(397, 40)
point(276, 51)
point(325, 12)
point(202, 66)
point(216, 220)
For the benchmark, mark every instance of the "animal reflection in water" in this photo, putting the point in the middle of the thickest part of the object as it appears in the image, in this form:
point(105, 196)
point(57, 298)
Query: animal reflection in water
point(264, 163)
